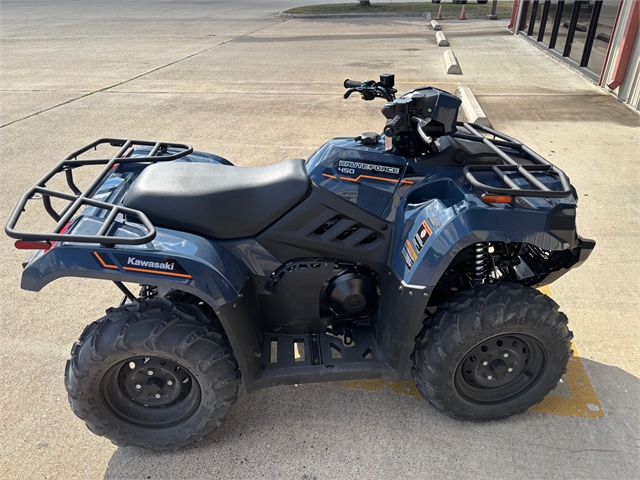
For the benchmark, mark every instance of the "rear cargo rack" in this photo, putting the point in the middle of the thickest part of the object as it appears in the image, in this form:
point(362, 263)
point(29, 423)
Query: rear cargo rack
point(525, 172)
point(160, 152)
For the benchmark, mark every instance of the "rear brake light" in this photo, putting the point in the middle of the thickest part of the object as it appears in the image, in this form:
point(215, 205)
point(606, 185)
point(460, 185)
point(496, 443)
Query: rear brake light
point(497, 199)
point(64, 229)
point(26, 245)
point(45, 245)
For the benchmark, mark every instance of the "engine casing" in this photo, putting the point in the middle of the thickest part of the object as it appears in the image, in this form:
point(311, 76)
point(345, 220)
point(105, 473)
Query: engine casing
point(308, 295)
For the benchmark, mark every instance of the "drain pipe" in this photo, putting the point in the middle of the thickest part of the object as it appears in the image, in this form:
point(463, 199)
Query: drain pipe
point(606, 55)
point(628, 39)
point(514, 12)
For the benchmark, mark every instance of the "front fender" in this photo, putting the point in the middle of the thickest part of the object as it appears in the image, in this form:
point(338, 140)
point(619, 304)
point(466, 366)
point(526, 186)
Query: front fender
point(430, 235)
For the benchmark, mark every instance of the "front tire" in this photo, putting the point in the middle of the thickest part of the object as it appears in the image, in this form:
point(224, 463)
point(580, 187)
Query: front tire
point(152, 374)
point(492, 352)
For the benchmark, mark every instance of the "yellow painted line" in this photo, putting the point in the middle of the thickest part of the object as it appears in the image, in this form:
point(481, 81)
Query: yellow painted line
point(546, 290)
point(427, 83)
point(583, 401)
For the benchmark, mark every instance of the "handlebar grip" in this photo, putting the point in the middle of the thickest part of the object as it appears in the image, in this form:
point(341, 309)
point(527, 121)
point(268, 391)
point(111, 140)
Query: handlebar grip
point(393, 126)
point(352, 84)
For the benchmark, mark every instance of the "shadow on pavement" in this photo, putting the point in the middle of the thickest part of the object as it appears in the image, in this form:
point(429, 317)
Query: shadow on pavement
point(328, 431)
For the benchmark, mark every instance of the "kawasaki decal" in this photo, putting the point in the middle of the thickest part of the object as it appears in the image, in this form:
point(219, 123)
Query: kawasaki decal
point(142, 264)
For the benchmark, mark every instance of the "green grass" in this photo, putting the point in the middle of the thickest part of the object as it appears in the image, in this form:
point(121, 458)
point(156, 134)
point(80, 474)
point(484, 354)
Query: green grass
point(450, 11)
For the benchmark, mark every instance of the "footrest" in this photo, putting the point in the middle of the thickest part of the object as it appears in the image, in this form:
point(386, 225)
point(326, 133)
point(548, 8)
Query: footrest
point(286, 351)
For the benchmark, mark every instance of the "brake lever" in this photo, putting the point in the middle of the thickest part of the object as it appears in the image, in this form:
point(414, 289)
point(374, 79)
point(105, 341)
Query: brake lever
point(382, 92)
point(425, 138)
point(370, 92)
point(349, 92)
point(366, 94)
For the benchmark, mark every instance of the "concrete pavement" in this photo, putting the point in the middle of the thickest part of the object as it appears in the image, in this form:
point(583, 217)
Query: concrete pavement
point(232, 78)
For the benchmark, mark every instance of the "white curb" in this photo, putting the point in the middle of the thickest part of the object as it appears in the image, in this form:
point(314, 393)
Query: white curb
point(441, 40)
point(451, 65)
point(472, 110)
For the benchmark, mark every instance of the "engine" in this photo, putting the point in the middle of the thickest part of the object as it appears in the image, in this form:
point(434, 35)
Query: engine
point(311, 295)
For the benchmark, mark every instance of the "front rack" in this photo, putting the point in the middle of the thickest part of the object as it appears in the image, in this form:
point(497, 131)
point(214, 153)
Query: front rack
point(539, 164)
point(159, 153)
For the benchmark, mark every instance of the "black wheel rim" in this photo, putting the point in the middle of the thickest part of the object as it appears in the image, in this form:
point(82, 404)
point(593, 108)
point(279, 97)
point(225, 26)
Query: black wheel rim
point(500, 368)
point(151, 392)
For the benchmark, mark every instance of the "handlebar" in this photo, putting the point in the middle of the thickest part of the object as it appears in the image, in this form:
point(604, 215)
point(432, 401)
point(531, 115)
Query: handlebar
point(394, 124)
point(352, 84)
point(370, 89)
point(409, 118)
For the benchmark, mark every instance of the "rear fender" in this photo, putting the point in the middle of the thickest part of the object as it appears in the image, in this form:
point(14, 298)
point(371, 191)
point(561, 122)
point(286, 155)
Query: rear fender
point(180, 261)
point(173, 259)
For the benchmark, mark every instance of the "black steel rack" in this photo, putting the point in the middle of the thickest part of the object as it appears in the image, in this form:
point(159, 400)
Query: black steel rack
point(160, 152)
point(525, 171)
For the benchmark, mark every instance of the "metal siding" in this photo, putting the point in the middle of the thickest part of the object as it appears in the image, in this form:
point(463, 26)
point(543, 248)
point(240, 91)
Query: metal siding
point(629, 91)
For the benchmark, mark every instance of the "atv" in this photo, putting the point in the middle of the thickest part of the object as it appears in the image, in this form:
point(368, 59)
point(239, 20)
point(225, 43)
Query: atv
point(425, 243)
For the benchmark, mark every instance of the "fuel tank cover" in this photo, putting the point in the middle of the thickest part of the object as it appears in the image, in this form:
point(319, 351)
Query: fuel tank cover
point(368, 138)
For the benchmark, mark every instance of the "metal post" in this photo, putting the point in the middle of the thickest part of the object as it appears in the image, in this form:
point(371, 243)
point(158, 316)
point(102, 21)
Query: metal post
point(591, 34)
point(523, 17)
point(492, 15)
point(543, 20)
point(556, 24)
point(532, 20)
point(573, 22)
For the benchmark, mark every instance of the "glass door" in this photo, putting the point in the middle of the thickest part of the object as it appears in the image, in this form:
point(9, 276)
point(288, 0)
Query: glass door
point(578, 31)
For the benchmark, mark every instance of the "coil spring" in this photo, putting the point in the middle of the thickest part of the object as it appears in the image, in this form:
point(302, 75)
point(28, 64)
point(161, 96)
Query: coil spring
point(479, 261)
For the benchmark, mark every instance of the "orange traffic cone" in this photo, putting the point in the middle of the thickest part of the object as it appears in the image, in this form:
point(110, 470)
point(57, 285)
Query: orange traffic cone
point(439, 17)
point(463, 13)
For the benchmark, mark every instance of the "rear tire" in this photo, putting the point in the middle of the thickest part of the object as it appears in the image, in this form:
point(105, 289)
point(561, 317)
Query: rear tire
point(492, 352)
point(152, 374)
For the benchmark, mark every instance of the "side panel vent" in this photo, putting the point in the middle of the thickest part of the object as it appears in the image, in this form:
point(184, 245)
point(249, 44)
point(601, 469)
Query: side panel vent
point(348, 232)
point(326, 225)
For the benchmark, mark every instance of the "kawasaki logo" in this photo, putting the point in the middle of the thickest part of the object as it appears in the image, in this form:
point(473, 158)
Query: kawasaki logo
point(369, 166)
point(156, 265)
point(143, 263)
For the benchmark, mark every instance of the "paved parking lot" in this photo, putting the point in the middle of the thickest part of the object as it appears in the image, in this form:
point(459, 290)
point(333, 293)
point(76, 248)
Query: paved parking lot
point(232, 78)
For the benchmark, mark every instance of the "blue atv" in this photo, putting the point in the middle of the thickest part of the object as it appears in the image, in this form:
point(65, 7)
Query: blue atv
point(424, 244)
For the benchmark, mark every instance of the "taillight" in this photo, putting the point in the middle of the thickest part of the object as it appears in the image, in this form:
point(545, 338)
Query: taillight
point(27, 245)
point(45, 245)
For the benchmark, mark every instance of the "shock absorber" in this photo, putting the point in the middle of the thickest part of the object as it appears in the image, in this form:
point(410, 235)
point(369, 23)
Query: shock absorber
point(479, 262)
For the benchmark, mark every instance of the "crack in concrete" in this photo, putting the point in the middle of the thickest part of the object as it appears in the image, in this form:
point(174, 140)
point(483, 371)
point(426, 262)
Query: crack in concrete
point(570, 450)
point(138, 76)
point(549, 94)
point(46, 90)
point(235, 92)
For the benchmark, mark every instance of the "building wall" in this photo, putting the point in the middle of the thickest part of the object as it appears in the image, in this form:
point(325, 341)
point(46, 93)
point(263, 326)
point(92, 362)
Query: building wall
point(629, 91)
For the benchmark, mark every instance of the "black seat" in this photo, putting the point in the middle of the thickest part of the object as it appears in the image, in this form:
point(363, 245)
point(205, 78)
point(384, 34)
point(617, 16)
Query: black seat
point(218, 201)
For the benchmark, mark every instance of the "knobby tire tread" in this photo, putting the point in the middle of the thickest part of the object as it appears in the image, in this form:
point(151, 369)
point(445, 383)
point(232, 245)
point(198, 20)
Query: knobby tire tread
point(467, 320)
point(152, 327)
